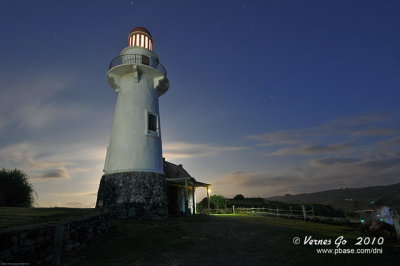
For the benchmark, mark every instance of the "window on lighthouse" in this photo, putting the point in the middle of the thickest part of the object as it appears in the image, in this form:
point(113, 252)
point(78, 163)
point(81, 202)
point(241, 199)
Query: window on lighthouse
point(152, 124)
point(145, 60)
point(140, 40)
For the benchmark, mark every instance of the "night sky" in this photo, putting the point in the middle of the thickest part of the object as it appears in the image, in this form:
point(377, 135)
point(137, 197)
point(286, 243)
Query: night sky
point(266, 97)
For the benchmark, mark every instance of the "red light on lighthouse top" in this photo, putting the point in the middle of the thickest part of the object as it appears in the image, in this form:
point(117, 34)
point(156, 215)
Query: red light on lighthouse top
point(140, 37)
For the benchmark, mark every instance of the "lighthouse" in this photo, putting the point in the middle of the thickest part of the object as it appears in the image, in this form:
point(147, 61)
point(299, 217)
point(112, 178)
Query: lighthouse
point(133, 184)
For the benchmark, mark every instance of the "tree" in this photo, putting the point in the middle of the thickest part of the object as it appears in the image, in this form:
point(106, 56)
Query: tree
point(202, 206)
point(15, 189)
point(238, 197)
point(217, 201)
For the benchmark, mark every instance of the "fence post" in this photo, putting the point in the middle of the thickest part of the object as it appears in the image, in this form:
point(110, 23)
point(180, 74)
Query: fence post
point(291, 212)
point(233, 209)
point(58, 241)
point(277, 211)
point(208, 200)
point(186, 197)
point(395, 217)
point(312, 208)
point(304, 212)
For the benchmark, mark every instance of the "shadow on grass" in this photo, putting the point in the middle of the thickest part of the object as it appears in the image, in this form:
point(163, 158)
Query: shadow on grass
point(223, 240)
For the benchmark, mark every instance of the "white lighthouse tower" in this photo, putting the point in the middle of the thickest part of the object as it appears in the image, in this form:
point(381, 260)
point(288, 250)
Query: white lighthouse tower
point(133, 183)
point(139, 79)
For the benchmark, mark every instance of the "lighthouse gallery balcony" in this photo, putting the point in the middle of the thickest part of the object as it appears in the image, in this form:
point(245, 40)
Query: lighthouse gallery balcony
point(137, 59)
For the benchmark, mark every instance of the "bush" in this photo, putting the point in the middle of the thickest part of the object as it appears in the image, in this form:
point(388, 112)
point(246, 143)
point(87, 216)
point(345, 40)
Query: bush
point(217, 202)
point(247, 203)
point(352, 215)
point(15, 189)
point(326, 210)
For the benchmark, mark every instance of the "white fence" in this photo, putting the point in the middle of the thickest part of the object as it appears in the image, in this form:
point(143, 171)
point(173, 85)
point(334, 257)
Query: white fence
point(303, 213)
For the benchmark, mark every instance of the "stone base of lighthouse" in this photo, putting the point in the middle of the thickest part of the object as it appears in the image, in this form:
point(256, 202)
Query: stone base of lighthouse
point(133, 195)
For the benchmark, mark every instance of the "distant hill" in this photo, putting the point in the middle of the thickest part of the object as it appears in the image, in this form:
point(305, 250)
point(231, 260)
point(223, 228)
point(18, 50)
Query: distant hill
point(349, 198)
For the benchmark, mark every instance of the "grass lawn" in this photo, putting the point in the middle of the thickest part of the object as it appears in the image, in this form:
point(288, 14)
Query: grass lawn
point(224, 240)
point(14, 216)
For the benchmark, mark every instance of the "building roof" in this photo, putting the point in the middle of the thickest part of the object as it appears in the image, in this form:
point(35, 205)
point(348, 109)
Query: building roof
point(142, 29)
point(174, 171)
point(177, 174)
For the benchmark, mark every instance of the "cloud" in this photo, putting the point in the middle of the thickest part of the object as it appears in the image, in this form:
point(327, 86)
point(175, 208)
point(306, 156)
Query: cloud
point(60, 172)
point(338, 161)
point(173, 150)
point(351, 127)
point(349, 134)
point(51, 134)
point(311, 149)
point(40, 115)
point(36, 102)
point(256, 179)
point(261, 183)
point(25, 156)
point(390, 143)
point(353, 151)
point(74, 194)
point(318, 174)
point(283, 137)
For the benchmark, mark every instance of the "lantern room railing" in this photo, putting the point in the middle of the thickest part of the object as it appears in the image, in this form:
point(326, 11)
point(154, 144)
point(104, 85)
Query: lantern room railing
point(128, 59)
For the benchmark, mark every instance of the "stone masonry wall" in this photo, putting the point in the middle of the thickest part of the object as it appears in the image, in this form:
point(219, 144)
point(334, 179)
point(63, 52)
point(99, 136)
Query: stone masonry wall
point(133, 195)
point(44, 244)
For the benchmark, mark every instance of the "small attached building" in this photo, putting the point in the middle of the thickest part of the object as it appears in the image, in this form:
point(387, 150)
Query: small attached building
point(181, 189)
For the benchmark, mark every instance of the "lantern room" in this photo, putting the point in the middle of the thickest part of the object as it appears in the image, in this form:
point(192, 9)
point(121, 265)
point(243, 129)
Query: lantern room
point(140, 37)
